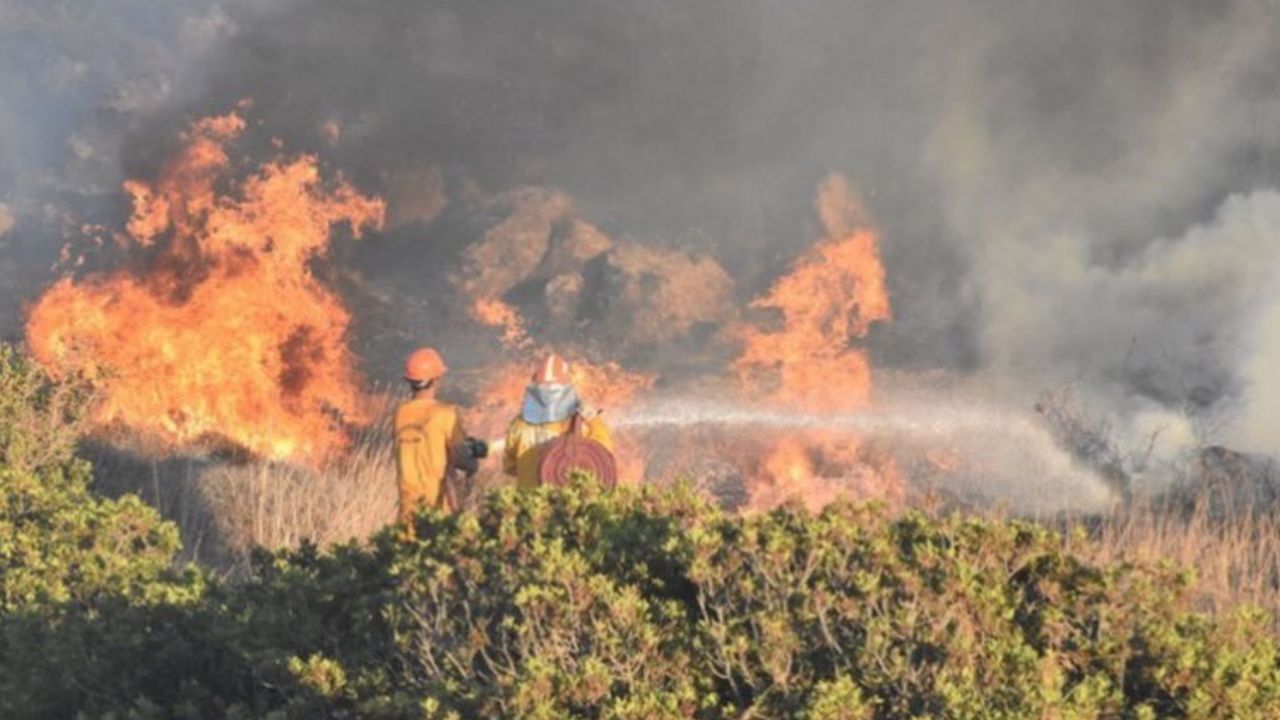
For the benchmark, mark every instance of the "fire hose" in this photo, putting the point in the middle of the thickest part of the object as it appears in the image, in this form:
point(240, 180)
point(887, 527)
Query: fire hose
point(575, 453)
point(561, 458)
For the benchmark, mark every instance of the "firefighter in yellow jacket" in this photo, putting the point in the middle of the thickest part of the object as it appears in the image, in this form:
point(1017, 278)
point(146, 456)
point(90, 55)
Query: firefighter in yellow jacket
point(428, 436)
point(550, 402)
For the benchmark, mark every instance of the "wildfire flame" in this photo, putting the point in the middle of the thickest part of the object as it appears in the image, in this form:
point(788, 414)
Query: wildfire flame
point(808, 360)
point(498, 314)
point(827, 301)
point(220, 331)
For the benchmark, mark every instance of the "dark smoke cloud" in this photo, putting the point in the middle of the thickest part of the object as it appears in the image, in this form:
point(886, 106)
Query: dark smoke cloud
point(1079, 191)
point(76, 78)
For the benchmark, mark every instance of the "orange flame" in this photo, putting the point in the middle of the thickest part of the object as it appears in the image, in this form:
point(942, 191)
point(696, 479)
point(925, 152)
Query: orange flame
point(810, 360)
point(789, 462)
point(826, 302)
point(223, 333)
point(830, 298)
point(496, 313)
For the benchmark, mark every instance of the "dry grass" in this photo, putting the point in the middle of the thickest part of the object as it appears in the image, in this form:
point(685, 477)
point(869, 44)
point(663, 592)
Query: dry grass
point(227, 509)
point(278, 505)
point(273, 505)
point(1236, 559)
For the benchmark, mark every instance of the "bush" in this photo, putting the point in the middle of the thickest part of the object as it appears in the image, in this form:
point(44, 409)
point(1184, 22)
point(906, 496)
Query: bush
point(66, 556)
point(648, 604)
point(576, 602)
point(40, 419)
point(59, 544)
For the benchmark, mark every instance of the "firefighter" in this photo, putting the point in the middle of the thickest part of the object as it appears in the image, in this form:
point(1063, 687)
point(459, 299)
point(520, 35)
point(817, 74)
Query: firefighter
point(429, 438)
point(550, 404)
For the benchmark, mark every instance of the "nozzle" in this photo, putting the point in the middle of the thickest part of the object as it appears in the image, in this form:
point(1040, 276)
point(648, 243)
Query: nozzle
point(478, 449)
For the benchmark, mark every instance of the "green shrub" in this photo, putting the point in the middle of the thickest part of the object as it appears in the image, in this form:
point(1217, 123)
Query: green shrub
point(957, 618)
point(551, 604)
point(66, 555)
point(576, 602)
point(41, 419)
point(60, 544)
point(647, 604)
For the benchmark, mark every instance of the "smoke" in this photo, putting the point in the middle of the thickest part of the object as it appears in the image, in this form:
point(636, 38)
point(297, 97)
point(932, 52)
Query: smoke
point(1112, 190)
point(1078, 192)
point(77, 78)
point(1258, 429)
point(6, 220)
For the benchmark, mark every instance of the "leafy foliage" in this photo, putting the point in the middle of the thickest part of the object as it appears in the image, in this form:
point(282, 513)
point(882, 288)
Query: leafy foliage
point(40, 419)
point(576, 602)
point(59, 544)
point(66, 555)
point(647, 604)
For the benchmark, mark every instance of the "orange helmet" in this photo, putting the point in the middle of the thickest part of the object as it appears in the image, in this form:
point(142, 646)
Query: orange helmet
point(553, 370)
point(424, 364)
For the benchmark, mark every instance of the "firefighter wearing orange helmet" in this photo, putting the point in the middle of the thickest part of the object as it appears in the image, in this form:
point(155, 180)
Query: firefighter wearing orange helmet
point(549, 409)
point(430, 441)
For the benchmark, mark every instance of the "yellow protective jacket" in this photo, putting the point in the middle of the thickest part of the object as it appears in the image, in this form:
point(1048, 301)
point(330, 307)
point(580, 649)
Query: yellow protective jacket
point(427, 432)
point(522, 455)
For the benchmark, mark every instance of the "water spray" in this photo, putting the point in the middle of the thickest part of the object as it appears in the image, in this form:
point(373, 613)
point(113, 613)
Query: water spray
point(1005, 452)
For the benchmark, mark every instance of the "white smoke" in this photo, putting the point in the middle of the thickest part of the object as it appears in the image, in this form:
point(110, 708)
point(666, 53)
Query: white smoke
point(1163, 333)
point(1116, 205)
point(1258, 428)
